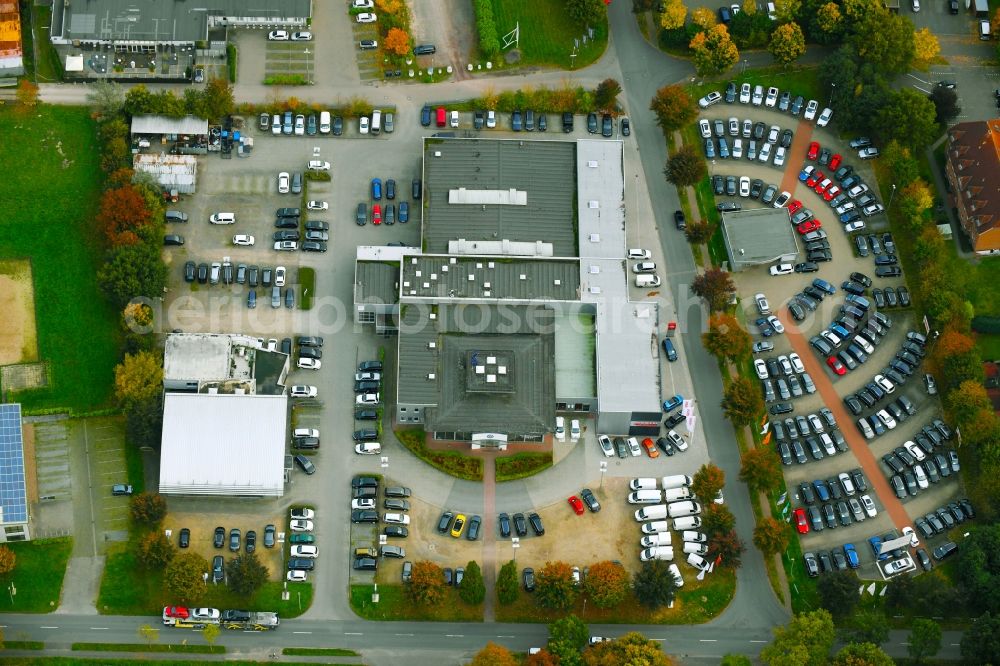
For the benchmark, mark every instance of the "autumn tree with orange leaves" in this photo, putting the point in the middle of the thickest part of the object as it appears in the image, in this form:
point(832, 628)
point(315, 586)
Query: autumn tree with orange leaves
point(606, 584)
point(122, 215)
point(397, 41)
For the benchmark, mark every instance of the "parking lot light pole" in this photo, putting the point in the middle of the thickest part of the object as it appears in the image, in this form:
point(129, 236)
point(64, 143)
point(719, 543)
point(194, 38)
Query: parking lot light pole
point(833, 88)
point(604, 468)
point(891, 196)
point(515, 543)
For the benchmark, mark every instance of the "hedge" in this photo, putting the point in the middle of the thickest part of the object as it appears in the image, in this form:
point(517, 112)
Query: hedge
point(489, 42)
point(986, 324)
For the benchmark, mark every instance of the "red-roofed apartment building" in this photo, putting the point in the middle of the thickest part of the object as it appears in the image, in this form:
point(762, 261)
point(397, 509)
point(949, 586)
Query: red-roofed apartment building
point(973, 169)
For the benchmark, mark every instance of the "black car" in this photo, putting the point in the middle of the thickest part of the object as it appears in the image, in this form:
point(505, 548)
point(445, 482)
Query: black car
point(567, 122)
point(185, 538)
point(472, 532)
point(529, 120)
point(310, 352)
point(806, 267)
point(338, 126)
point(251, 543)
point(478, 119)
point(626, 127)
point(302, 564)
point(415, 189)
point(234, 540)
point(444, 522)
point(520, 525)
point(679, 221)
point(286, 223)
point(718, 185)
point(287, 234)
point(189, 271)
point(202, 273)
point(620, 447)
point(503, 522)
point(219, 539)
point(944, 550)
point(592, 123)
point(363, 564)
point(173, 239)
point(314, 246)
point(425, 116)
point(587, 495)
point(307, 465)
point(364, 516)
point(528, 577)
point(730, 92)
point(671, 421)
point(536, 524)
point(365, 435)
point(663, 443)
point(218, 569)
point(366, 415)
point(396, 531)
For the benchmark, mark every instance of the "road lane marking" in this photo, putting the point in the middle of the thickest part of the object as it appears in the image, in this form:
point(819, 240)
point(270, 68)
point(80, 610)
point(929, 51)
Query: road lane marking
point(48, 627)
point(412, 634)
point(454, 635)
point(753, 641)
point(353, 633)
point(707, 640)
point(301, 632)
point(98, 628)
point(497, 636)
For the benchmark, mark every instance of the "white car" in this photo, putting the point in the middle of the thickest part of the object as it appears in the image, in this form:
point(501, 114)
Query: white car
point(761, 368)
point(824, 117)
point(368, 448)
point(779, 156)
point(309, 364)
point(916, 5)
point(705, 128)
point(856, 225)
point(776, 324)
point(279, 277)
point(318, 165)
point(772, 97)
point(368, 376)
point(783, 199)
point(698, 562)
point(786, 365)
point(205, 614)
point(296, 576)
point(367, 399)
point(304, 391)
point(301, 36)
point(765, 153)
point(606, 446)
point(677, 440)
point(396, 519)
point(633, 446)
point(866, 501)
point(367, 18)
point(895, 566)
point(763, 306)
point(305, 432)
point(886, 418)
point(796, 362)
point(676, 571)
point(300, 525)
point(811, 108)
point(857, 191)
point(283, 182)
point(758, 95)
point(711, 98)
point(744, 186)
point(363, 4)
point(884, 383)
point(277, 36)
point(782, 269)
point(299, 550)
point(307, 514)
point(317, 205)
point(300, 125)
point(914, 541)
point(745, 93)
point(921, 476)
point(243, 239)
point(223, 218)
point(574, 429)
point(847, 206)
point(639, 253)
point(914, 450)
point(491, 119)
point(737, 149)
point(363, 124)
point(734, 126)
point(286, 246)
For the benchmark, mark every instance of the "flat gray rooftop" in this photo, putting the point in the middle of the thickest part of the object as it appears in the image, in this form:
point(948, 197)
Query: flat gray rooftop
point(440, 277)
point(517, 350)
point(758, 236)
point(160, 20)
point(601, 195)
point(376, 282)
point(201, 356)
point(540, 173)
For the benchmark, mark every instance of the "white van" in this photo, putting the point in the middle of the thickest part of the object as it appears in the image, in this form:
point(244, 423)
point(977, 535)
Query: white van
point(655, 512)
point(658, 539)
point(674, 494)
point(324, 122)
point(676, 481)
point(696, 548)
point(376, 121)
point(984, 30)
point(645, 497)
point(685, 508)
point(657, 553)
point(696, 537)
point(276, 124)
point(655, 527)
point(678, 578)
point(642, 484)
point(647, 280)
point(687, 523)
point(560, 428)
point(363, 125)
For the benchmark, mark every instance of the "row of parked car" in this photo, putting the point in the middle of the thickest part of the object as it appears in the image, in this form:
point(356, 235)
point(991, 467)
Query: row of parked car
point(527, 121)
point(921, 461)
point(762, 144)
point(302, 549)
point(773, 98)
point(364, 503)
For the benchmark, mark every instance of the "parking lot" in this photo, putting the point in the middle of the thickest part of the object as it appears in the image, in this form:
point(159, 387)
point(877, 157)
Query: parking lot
point(855, 451)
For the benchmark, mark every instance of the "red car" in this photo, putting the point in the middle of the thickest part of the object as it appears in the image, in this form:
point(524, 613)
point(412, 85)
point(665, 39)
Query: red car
point(822, 186)
point(178, 612)
point(809, 225)
point(831, 193)
point(836, 365)
point(650, 448)
point(835, 162)
point(794, 207)
point(376, 214)
point(815, 178)
point(813, 151)
point(801, 524)
point(576, 505)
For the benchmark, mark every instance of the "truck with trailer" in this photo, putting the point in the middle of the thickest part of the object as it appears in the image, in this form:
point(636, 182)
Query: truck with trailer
point(240, 620)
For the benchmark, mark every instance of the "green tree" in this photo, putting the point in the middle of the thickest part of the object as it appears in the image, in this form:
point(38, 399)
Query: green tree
point(700, 231)
point(246, 574)
point(183, 579)
point(838, 592)
point(654, 583)
point(919, 114)
point(716, 519)
point(771, 536)
point(427, 583)
point(867, 626)
point(554, 586)
point(674, 15)
point(829, 19)
point(139, 378)
point(211, 633)
point(473, 589)
point(925, 639)
point(106, 97)
point(713, 51)
point(735, 660)
point(805, 641)
point(673, 107)
point(133, 271)
point(945, 104)
point(155, 550)
point(742, 401)
point(606, 95)
point(150, 633)
point(979, 550)
point(606, 584)
point(707, 482)
point(569, 630)
point(862, 654)
point(761, 469)
point(787, 44)
point(633, 648)
point(148, 509)
point(506, 586)
point(725, 338)
point(685, 167)
point(787, 10)
point(144, 423)
point(883, 40)
point(715, 286)
point(587, 12)
point(981, 641)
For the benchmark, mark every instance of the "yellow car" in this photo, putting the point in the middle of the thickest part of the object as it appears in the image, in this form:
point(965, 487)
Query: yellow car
point(458, 525)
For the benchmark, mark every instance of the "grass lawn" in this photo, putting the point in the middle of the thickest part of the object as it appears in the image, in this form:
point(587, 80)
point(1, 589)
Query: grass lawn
point(799, 80)
point(127, 589)
point(989, 345)
point(547, 33)
point(38, 575)
point(50, 196)
point(697, 602)
point(521, 465)
point(80, 661)
point(393, 604)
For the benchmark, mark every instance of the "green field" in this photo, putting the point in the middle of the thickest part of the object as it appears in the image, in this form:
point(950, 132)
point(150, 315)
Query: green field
point(50, 193)
point(38, 576)
point(547, 32)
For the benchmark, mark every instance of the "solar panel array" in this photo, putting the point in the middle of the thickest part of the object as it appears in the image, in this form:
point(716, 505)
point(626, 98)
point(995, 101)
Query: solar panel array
point(13, 498)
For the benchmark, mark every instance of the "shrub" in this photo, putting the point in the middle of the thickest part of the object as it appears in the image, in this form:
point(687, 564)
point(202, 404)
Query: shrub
point(489, 42)
point(521, 465)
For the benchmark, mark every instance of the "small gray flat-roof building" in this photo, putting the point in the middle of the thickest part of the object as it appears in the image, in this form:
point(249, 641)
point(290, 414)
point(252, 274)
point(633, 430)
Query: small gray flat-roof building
point(223, 362)
point(759, 236)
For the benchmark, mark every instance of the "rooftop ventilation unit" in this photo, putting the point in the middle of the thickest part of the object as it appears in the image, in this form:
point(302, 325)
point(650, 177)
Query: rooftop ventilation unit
point(593, 203)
